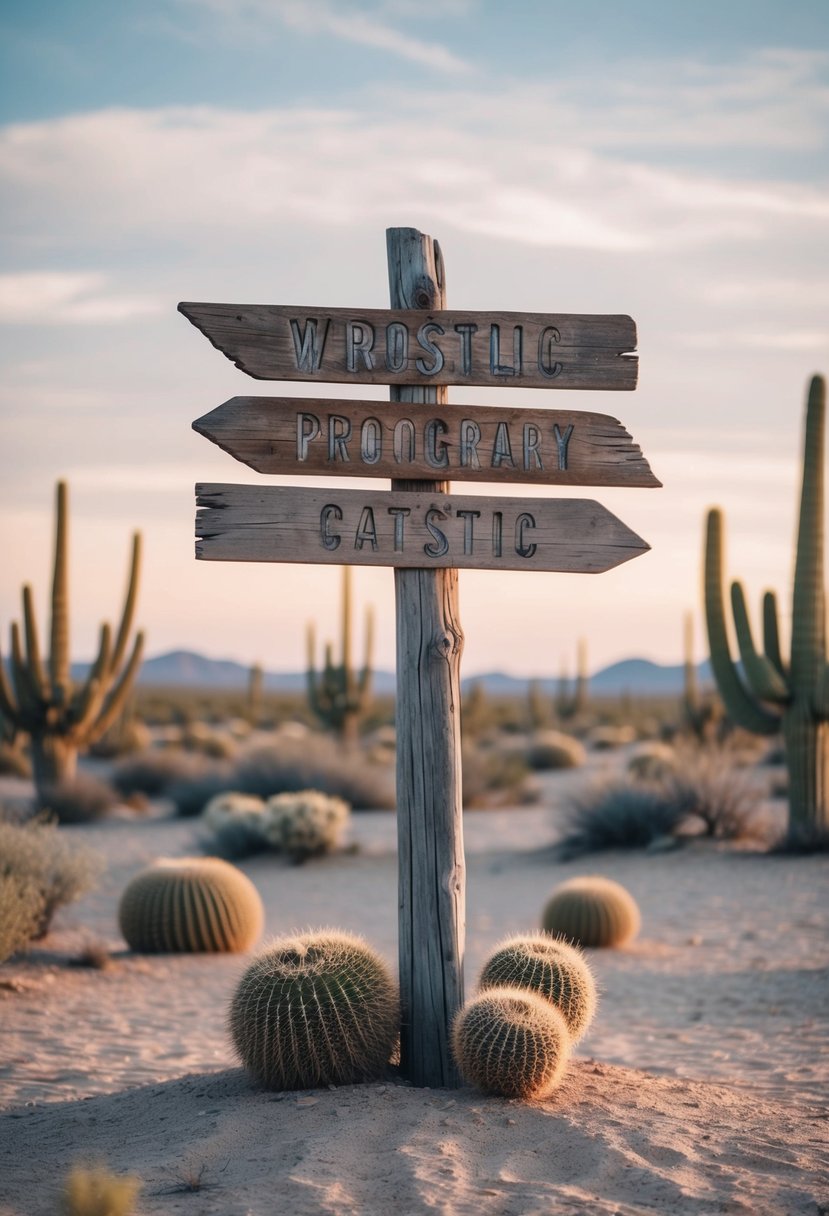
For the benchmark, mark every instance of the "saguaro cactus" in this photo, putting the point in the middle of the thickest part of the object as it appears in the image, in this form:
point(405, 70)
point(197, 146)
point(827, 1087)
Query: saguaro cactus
point(338, 696)
point(40, 699)
point(574, 706)
point(768, 695)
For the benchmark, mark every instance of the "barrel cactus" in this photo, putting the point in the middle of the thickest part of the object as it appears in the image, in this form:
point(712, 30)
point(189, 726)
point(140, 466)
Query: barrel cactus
point(304, 824)
point(555, 970)
point(511, 1042)
point(190, 905)
point(592, 911)
point(315, 1009)
point(766, 694)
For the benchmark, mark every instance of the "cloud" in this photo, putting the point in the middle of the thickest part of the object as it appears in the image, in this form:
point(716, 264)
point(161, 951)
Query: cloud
point(364, 26)
point(57, 297)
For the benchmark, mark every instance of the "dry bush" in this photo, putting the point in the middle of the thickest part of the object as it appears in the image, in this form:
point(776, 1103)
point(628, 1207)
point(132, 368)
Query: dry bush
point(318, 765)
point(21, 910)
point(551, 750)
point(38, 863)
point(152, 772)
point(706, 787)
point(94, 1191)
point(487, 772)
point(190, 795)
point(82, 800)
point(651, 761)
point(617, 815)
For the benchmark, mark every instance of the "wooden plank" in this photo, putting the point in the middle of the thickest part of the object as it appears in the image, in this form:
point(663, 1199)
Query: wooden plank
point(434, 346)
point(325, 437)
point(426, 530)
point(431, 887)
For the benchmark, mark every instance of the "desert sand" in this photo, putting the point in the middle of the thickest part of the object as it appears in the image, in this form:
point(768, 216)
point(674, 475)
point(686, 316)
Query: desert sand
point(701, 1087)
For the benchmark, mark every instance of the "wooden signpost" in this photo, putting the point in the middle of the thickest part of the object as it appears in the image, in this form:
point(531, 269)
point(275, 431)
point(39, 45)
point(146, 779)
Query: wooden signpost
point(420, 527)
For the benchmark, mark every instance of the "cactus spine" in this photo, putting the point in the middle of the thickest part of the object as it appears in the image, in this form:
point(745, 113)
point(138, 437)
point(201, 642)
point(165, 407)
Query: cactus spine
point(315, 1009)
point(339, 697)
point(770, 695)
point(39, 698)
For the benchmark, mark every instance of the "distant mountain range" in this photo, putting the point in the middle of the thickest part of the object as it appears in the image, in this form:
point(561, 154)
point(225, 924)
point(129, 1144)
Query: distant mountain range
point(186, 669)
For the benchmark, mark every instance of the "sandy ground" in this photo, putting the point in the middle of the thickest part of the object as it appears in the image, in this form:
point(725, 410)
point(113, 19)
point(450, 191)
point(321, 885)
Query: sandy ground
point(700, 1089)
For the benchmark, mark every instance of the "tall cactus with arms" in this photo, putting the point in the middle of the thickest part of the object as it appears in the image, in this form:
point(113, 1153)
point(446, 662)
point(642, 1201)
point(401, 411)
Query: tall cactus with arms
point(38, 697)
point(339, 697)
point(769, 695)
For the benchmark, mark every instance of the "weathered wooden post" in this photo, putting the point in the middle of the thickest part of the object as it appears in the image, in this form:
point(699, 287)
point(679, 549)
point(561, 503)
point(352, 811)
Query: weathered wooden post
point(432, 873)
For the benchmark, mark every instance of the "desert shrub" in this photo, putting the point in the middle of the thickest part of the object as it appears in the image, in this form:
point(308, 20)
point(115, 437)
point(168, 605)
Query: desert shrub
point(704, 786)
point(82, 800)
point(493, 771)
point(197, 737)
point(233, 823)
point(617, 815)
point(126, 737)
point(652, 761)
point(305, 824)
point(44, 867)
point(604, 738)
point(13, 761)
point(292, 767)
point(21, 909)
point(550, 749)
point(152, 772)
point(191, 795)
point(94, 1191)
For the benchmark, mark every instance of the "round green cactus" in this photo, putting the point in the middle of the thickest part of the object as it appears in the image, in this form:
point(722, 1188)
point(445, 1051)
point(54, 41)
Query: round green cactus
point(315, 1009)
point(511, 1042)
point(555, 970)
point(190, 905)
point(591, 911)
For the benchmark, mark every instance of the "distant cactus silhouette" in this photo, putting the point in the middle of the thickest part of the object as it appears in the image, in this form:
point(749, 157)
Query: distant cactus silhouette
point(40, 699)
point(555, 970)
point(767, 695)
point(339, 697)
point(190, 905)
point(315, 1009)
point(591, 911)
point(574, 705)
point(511, 1042)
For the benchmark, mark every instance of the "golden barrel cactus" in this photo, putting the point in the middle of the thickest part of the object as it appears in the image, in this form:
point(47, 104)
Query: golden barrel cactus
point(591, 911)
point(511, 1042)
point(553, 969)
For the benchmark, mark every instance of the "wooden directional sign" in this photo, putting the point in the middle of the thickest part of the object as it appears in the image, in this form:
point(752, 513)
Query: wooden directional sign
point(399, 528)
point(475, 443)
point(406, 346)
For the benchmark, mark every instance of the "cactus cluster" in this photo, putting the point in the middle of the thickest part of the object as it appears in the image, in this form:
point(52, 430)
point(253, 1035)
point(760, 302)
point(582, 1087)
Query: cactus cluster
point(315, 1009)
point(300, 825)
point(190, 905)
point(591, 911)
point(338, 696)
point(536, 998)
point(766, 694)
point(41, 700)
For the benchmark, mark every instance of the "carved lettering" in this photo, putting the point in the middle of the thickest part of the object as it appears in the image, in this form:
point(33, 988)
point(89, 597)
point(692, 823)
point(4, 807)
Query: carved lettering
point(547, 365)
point(397, 347)
point(366, 530)
point(470, 438)
point(330, 540)
point(404, 441)
point(437, 457)
point(441, 544)
point(497, 532)
point(307, 351)
point(468, 518)
point(307, 428)
point(399, 514)
point(423, 338)
point(561, 443)
point(466, 329)
point(532, 441)
point(522, 523)
point(359, 340)
point(496, 367)
point(371, 440)
point(339, 433)
point(502, 448)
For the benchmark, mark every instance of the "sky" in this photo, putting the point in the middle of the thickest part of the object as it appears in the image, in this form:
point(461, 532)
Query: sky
point(662, 160)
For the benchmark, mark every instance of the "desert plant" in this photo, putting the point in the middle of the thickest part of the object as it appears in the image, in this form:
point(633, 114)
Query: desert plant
point(511, 1042)
point(497, 773)
point(154, 771)
point(608, 736)
point(538, 709)
point(339, 697)
point(305, 824)
point(617, 815)
point(294, 766)
point(574, 704)
point(550, 749)
point(190, 905)
point(83, 799)
point(554, 969)
point(21, 908)
point(652, 761)
point(256, 689)
point(704, 785)
point(315, 1009)
point(591, 911)
point(61, 719)
point(767, 695)
point(95, 1191)
point(13, 761)
point(38, 859)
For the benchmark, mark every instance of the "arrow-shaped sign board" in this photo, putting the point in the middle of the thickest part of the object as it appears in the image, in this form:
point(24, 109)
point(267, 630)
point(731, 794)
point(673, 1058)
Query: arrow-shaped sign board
point(325, 437)
point(398, 528)
point(400, 346)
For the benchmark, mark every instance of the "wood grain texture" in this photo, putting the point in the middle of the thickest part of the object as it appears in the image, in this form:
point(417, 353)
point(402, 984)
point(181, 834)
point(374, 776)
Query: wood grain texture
point(431, 864)
point(328, 437)
point(409, 529)
point(429, 347)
